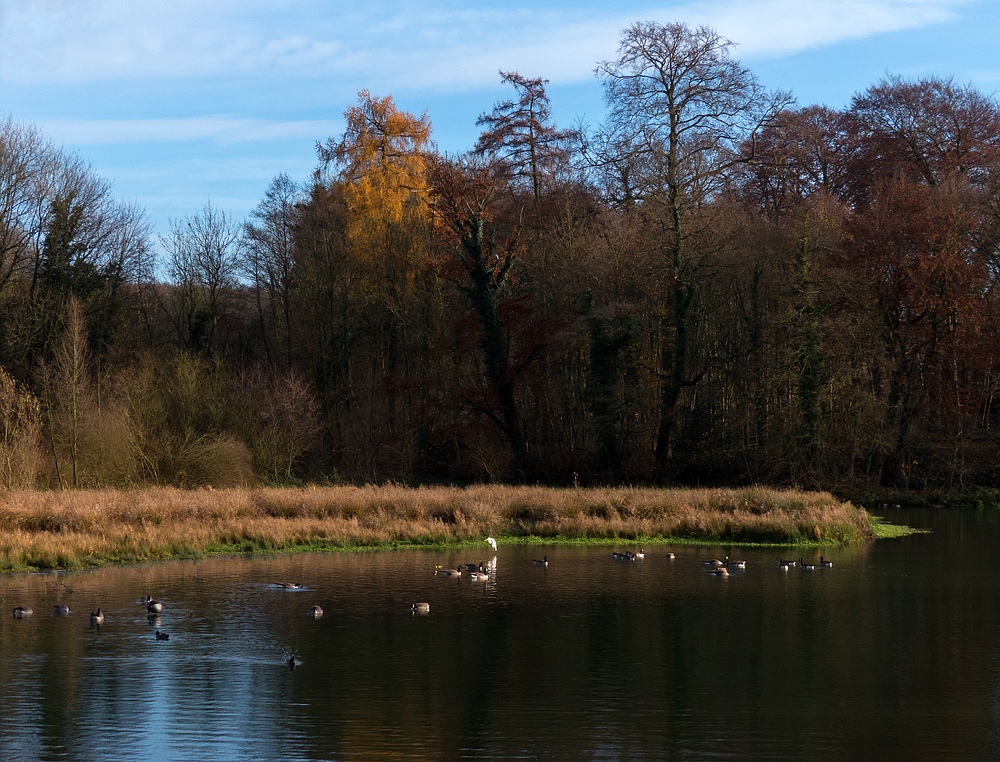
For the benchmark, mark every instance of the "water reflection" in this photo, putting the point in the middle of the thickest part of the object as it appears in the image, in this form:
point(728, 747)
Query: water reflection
point(891, 654)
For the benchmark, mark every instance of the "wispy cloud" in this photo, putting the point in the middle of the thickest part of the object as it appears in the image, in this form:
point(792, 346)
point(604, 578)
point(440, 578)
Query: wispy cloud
point(427, 44)
point(223, 130)
point(782, 27)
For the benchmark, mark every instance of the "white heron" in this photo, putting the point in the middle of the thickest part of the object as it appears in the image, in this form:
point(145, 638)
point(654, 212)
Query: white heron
point(492, 543)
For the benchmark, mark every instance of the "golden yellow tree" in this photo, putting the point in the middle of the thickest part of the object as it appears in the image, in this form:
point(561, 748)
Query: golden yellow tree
point(381, 160)
point(378, 166)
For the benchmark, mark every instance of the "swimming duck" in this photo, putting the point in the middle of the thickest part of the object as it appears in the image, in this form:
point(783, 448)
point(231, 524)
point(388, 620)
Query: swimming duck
point(543, 561)
point(292, 662)
point(824, 563)
point(420, 608)
point(619, 556)
point(154, 607)
point(162, 635)
point(641, 554)
point(61, 609)
point(671, 556)
point(722, 571)
point(805, 566)
point(316, 611)
point(714, 562)
point(97, 617)
point(20, 612)
point(449, 572)
point(736, 564)
point(290, 585)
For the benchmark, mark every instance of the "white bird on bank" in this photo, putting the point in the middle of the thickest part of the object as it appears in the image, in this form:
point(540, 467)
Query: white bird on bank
point(492, 543)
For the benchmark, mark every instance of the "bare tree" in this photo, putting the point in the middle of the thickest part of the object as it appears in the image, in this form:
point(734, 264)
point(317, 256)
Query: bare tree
point(27, 161)
point(268, 260)
point(682, 112)
point(203, 262)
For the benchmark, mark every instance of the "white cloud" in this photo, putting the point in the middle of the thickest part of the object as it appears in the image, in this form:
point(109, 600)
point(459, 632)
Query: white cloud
point(223, 130)
point(390, 45)
point(782, 27)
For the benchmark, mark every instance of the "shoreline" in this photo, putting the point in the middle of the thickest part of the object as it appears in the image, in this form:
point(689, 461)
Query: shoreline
point(89, 528)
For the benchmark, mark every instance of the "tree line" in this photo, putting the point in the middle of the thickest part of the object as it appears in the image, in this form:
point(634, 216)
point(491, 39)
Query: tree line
point(714, 285)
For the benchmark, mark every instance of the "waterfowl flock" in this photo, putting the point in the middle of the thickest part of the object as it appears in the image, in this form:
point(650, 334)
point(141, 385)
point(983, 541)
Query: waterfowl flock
point(478, 571)
point(154, 609)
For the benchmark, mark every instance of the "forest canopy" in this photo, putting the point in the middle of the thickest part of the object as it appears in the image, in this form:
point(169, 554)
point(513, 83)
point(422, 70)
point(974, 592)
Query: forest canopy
point(715, 285)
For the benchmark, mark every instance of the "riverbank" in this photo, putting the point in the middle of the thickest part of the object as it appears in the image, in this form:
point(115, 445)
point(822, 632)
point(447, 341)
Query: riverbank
point(73, 529)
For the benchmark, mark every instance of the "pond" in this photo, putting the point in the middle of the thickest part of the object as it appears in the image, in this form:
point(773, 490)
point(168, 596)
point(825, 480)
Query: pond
point(893, 653)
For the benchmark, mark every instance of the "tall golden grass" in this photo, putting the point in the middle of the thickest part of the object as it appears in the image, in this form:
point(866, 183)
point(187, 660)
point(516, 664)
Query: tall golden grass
point(50, 530)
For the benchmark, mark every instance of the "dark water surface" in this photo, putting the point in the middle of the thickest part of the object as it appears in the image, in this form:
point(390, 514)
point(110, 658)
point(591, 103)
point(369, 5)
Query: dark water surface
point(893, 654)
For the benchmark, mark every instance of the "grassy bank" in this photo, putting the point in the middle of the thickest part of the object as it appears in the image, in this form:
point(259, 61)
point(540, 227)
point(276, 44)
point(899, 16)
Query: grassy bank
point(57, 530)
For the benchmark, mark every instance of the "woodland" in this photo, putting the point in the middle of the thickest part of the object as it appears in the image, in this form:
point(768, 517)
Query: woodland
point(714, 286)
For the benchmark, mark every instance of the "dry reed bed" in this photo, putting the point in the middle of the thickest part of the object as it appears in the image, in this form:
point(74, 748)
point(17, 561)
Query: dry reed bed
point(69, 529)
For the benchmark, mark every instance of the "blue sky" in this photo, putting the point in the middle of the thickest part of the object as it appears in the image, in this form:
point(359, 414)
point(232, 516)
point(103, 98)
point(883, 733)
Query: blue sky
point(178, 102)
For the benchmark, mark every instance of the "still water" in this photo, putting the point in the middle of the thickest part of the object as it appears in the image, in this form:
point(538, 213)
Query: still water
point(894, 653)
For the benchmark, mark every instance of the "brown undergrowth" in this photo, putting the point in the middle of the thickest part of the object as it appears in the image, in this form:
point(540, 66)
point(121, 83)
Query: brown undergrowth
point(53, 530)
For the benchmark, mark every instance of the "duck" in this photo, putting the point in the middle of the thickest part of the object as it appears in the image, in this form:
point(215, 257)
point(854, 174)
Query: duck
point(316, 611)
point(805, 566)
point(641, 554)
point(449, 572)
point(290, 585)
point(61, 609)
point(420, 608)
point(97, 617)
point(292, 662)
point(471, 567)
point(619, 556)
point(824, 563)
point(162, 635)
point(722, 571)
point(671, 555)
point(783, 564)
point(543, 561)
point(735, 564)
point(714, 562)
point(479, 575)
point(20, 612)
point(492, 543)
point(154, 607)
